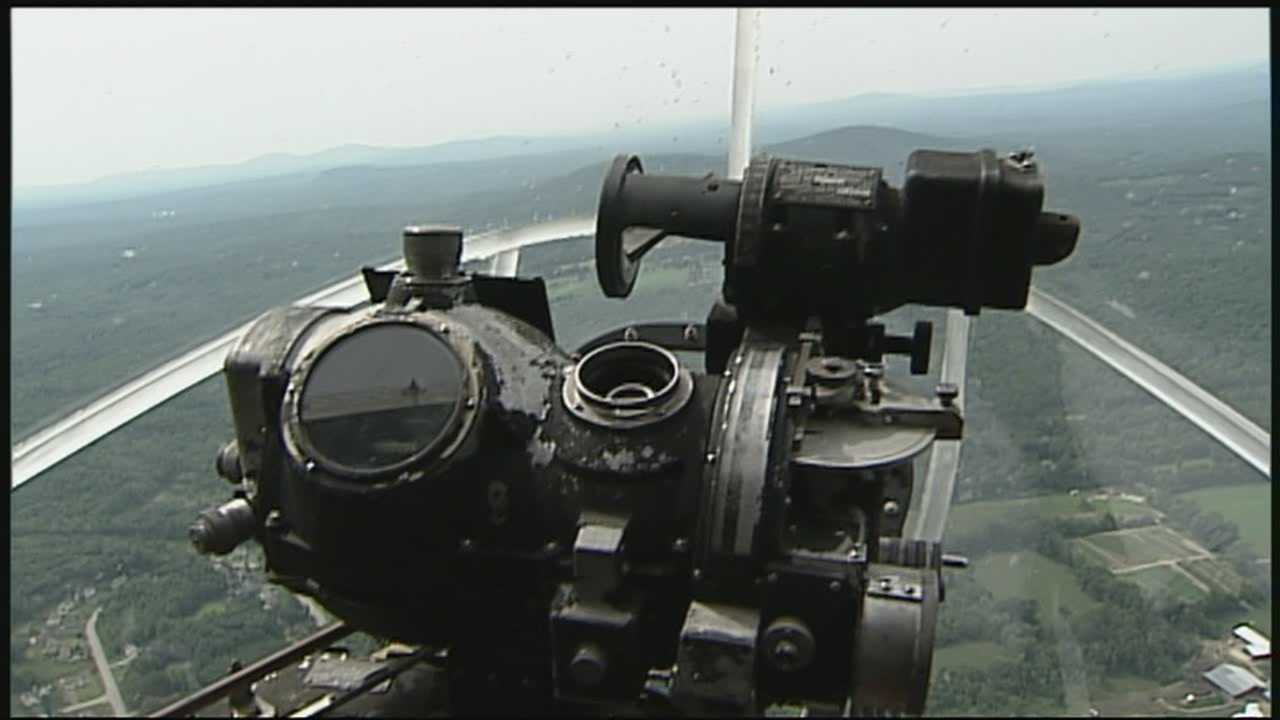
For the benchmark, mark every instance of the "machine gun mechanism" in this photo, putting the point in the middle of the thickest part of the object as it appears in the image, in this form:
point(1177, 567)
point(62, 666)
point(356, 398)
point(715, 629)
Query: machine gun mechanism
point(608, 531)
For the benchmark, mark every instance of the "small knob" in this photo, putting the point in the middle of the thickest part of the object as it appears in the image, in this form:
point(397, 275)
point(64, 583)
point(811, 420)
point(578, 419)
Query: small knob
point(433, 252)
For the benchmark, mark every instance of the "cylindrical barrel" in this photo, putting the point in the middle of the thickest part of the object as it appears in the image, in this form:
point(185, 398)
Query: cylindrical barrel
point(705, 208)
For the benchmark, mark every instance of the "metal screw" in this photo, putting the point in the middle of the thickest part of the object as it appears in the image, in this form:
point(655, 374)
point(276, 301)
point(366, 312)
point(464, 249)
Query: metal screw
point(680, 545)
point(771, 578)
point(834, 586)
point(711, 458)
point(443, 328)
point(786, 653)
point(467, 545)
point(551, 547)
point(274, 520)
point(891, 507)
point(697, 574)
point(910, 590)
point(885, 583)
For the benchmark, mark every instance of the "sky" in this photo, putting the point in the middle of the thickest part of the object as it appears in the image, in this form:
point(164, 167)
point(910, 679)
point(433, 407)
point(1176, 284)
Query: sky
point(106, 91)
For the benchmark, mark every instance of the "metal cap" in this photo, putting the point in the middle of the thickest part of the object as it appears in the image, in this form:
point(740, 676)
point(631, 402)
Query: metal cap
point(433, 251)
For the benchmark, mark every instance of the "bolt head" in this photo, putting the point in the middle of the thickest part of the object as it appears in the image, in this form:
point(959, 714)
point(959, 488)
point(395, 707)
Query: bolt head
point(588, 666)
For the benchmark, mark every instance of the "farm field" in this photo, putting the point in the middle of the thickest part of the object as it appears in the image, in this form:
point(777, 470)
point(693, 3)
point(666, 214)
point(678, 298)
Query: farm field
point(1132, 548)
point(1248, 506)
point(1214, 573)
point(1163, 580)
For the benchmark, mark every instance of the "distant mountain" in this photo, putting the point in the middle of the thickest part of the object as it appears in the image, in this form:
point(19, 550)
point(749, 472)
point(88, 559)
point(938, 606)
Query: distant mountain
point(134, 184)
point(1238, 94)
point(1099, 102)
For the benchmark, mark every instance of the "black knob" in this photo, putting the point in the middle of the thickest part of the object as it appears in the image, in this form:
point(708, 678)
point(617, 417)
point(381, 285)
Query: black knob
point(228, 463)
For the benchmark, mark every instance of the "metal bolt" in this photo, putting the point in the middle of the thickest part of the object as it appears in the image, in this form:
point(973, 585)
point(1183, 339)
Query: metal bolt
point(680, 545)
point(551, 547)
point(467, 545)
point(886, 583)
point(786, 652)
point(697, 574)
point(947, 393)
point(443, 328)
point(834, 586)
point(275, 520)
point(711, 458)
point(771, 578)
point(910, 590)
point(629, 334)
point(891, 507)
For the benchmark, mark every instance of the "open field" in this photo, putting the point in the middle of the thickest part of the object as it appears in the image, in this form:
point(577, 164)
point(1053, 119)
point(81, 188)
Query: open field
point(1031, 576)
point(973, 517)
point(1125, 511)
point(976, 654)
point(1248, 506)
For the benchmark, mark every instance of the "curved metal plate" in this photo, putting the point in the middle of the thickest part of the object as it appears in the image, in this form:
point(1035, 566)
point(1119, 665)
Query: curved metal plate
point(831, 443)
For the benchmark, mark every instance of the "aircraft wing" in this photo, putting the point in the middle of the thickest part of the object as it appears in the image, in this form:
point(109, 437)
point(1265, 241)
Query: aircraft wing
point(62, 439)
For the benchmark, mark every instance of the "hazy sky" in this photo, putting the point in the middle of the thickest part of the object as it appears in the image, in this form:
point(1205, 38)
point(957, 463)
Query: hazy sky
point(98, 92)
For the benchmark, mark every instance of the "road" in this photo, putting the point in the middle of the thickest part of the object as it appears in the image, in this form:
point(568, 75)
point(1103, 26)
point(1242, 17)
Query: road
point(104, 669)
point(81, 706)
point(59, 441)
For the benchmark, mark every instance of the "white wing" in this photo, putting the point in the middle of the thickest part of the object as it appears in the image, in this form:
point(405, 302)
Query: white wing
point(59, 441)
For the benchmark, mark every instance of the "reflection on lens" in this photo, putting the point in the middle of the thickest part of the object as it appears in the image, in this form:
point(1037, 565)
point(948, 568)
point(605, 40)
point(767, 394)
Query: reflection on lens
point(380, 396)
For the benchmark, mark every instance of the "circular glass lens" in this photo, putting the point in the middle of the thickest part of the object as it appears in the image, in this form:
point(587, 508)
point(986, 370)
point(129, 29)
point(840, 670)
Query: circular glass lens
point(380, 396)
